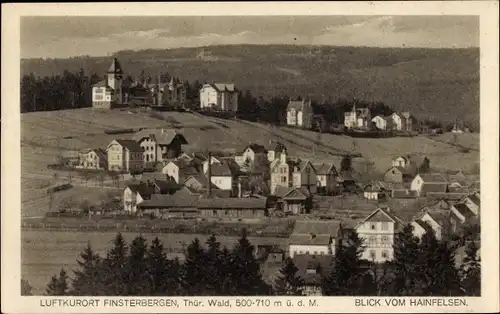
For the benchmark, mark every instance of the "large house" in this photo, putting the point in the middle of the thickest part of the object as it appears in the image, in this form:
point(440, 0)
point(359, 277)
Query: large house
point(160, 144)
point(378, 230)
point(275, 153)
point(312, 269)
point(219, 96)
point(436, 220)
point(326, 177)
point(173, 92)
point(281, 172)
point(304, 176)
point(397, 174)
point(315, 237)
point(94, 158)
point(295, 201)
point(182, 204)
point(180, 170)
point(357, 118)
point(251, 154)
point(299, 113)
point(425, 183)
point(109, 92)
point(383, 123)
point(125, 155)
point(134, 194)
point(402, 121)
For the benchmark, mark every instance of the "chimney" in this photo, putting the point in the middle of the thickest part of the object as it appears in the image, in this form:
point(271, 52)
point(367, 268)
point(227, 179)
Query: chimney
point(209, 174)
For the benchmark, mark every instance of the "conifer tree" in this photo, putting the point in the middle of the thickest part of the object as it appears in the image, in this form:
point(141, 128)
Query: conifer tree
point(87, 279)
point(288, 282)
point(193, 270)
point(226, 268)
point(137, 283)
point(115, 267)
point(437, 275)
point(246, 276)
point(214, 271)
point(58, 285)
point(25, 287)
point(347, 275)
point(404, 263)
point(160, 277)
point(470, 271)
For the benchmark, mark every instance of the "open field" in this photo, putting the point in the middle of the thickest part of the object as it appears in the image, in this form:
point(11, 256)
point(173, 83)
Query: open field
point(45, 136)
point(44, 253)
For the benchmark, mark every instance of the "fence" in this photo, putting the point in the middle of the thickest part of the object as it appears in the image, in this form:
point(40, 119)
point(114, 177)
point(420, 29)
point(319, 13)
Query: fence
point(157, 227)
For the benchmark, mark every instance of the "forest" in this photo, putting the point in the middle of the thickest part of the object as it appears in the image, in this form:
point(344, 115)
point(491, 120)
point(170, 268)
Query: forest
point(421, 267)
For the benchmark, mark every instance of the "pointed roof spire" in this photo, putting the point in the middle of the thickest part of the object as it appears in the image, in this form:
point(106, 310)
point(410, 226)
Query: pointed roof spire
point(115, 67)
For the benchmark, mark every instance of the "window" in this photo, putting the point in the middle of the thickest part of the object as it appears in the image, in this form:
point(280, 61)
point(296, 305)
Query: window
point(214, 213)
point(98, 97)
point(283, 179)
point(373, 226)
point(373, 254)
point(385, 240)
point(385, 226)
point(385, 254)
point(372, 241)
point(315, 252)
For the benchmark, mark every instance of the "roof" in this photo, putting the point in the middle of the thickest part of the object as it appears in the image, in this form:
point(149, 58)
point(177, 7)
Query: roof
point(400, 156)
point(141, 188)
point(446, 195)
point(387, 212)
point(115, 67)
point(298, 104)
point(161, 136)
point(418, 159)
point(296, 194)
point(377, 186)
point(423, 224)
point(440, 216)
point(324, 168)
point(166, 186)
point(232, 203)
point(475, 199)
point(257, 148)
point(321, 263)
point(317, 227)
point(301, 165)
point(202, 179)
point(186, 167)
point(101, 153)
point(433, 178)
point(434, 187)
point(216, 193)
point(131, 145)
point(404, 193)
point(103, 83)
point(220, 170)
point(463, 210)
point(279, 147)
point(181, 198)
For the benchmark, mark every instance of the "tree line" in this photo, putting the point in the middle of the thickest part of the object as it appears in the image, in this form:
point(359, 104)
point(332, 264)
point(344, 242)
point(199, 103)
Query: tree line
point(420, 267)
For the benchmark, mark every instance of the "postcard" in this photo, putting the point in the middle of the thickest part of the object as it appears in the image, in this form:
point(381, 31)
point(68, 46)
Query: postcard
point(319, 157)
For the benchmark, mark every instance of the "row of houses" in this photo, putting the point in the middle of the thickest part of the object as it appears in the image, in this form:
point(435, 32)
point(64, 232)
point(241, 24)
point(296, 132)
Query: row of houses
point(312, 244)
point(300, 114)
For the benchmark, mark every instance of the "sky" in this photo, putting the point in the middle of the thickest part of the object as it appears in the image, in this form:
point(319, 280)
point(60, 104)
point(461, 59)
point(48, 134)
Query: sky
point(63, 37)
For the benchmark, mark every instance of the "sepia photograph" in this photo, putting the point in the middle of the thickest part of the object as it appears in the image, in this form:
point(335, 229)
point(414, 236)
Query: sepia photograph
point(251, 156)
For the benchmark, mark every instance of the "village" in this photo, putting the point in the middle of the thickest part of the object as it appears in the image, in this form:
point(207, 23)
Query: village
point(325, 201)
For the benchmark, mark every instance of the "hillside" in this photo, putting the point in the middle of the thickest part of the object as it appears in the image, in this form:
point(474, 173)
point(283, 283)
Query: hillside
point(45, 135)
point(429, 82)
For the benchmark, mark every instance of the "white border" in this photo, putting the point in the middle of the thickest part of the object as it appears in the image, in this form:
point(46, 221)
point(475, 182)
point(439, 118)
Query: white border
point(12, 302)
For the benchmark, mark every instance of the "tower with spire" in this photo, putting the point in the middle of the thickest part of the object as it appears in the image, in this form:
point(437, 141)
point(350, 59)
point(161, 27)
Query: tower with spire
point(115, 80)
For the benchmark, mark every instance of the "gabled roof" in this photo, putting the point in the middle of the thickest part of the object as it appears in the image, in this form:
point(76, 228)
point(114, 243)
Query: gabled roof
point(216, 193)
point(298, 104)
point(115, 67)
point(423, 224)
point(142, 189)
point(325, 168)
point(376, 186)
point(101, 153)
point(296, 194)
point(439, 216)
point(221, 170)
point(433, 178)
point(232, 203)
point(257, 148)
point(464, 210)
point(201, 179)
point(403, 170)
point(418, 160)
point(475, 199)
point(131, 145)
point(302, 164)
point(161, 136)
point(166, 186)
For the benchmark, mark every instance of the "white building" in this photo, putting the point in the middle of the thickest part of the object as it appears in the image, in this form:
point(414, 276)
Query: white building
point(378, 231)
point(437, 221)
point(299, 113)
point(251, 153)
point(304, 175)
point(160, 144)
point(383, 123)
point(134, 194)
point(357, 118)
point(315, 237)
point(219, 96)
point(179, 170)
point(109, 92)
point(424, 183)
